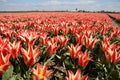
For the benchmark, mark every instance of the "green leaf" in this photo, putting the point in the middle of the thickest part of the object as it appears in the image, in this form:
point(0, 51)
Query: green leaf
point(66, 54)
point(8, 73)
point(16, 77)
point(115, 75)
point(13, 78)
point(59, 57)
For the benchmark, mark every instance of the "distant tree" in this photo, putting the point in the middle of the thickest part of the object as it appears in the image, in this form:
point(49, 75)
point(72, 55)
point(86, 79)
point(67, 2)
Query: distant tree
point(102, 11)
point(76, 9)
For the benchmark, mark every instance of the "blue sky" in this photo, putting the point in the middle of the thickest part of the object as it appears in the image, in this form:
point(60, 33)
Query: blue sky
point(91, 5)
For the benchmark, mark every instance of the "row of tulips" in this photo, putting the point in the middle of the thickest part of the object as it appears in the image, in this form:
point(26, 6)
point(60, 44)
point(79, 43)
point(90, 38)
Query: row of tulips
point(117, 16)
point(69, 46)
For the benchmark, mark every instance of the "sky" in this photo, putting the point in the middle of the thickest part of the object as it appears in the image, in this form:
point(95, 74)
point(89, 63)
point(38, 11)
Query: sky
point(51, 5)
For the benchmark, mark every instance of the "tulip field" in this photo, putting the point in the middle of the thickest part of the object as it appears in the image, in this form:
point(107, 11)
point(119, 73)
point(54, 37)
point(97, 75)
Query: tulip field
point(59, 46)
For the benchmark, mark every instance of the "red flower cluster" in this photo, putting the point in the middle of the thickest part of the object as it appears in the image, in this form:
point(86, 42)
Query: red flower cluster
point(4, 55)
point(39, 36)
point(77, 76)
point(110, 51)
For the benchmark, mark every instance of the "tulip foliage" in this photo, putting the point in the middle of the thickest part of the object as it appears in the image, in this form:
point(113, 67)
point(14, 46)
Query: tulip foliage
point(59, 46)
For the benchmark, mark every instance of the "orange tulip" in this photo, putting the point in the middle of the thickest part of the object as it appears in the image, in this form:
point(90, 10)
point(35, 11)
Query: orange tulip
point(30, 55)
point(41, 73)
point(77, 76)
point(80, 38)
point(4, 46)
point(28, 36)
point(62, 40)
point(83, 59)
point(112, 55)
point(115, 32)
point(105, 43)
point(4, 56)
point(4, 62)
point(74, 50)
point(65, 30)
point(52, 47)
point(90, 42)
point(110, 50)
point(15, 49)
point(88, 33)
point(55, 30)
point(103, 30)
point(43, 38)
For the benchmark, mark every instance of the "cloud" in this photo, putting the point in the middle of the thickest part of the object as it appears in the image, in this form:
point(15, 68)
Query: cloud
point(3, 0)
point(71, 2)
point(109, 6)
point(67, 2)
point(93, 5)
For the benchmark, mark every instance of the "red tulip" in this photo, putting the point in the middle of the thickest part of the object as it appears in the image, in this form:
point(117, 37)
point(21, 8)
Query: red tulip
point(41, 73)
point(112, 55)
point(62, 40)
point(77, 76)
point(4, 56)
point(88, 33)
point(80, 38)
point(90, 42)
point(74, 50)
point(30, 55)
point(65, 30)
point(110, 50)
point(115, 32)
point(8, 33)
point(83, 59)
point(28, 36)
point(103, 30)
point(43, 38)
point(4, 46)
point(55, 30)
point(105, 43)
point(4, 62)
point(15, 49)
point(52, 47)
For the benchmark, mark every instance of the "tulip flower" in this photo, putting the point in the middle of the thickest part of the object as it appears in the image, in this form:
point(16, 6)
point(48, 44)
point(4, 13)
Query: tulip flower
point(115, 32)
point(52, 47)
point(73, 30)
point(110, 50)
point(103, 30)
point(112, 55)
point(4, 46)
point(62, 40)
point(41, 73)
point(43, 38)
point(74, 50)
point(30, 55)
point(65, 30)
point(77, 75)
point(4, 56)
point(90, 42)
point(88, 33)
point(105, 43)
point(4, 62)
point(80, 38)
point(55, 30)
point(8, 33)
point(28, 36)
point(15, 49)
point(83, 59)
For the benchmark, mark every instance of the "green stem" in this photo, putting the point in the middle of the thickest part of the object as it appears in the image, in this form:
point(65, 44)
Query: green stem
point(50, 59)
point(111, 70)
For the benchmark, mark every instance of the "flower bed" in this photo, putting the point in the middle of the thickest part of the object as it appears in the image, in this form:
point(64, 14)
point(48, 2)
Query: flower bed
point(59, 46)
